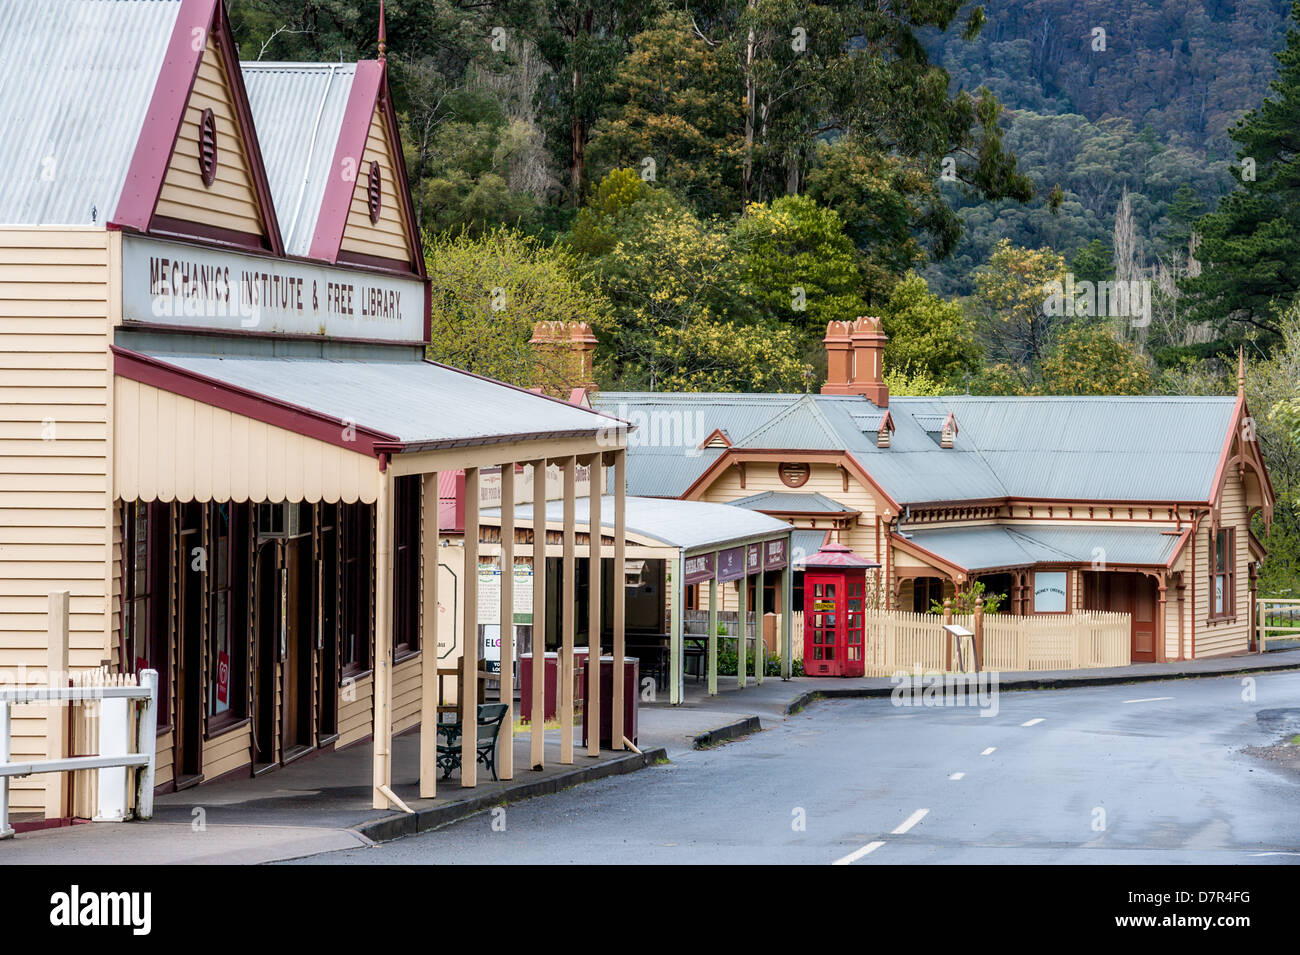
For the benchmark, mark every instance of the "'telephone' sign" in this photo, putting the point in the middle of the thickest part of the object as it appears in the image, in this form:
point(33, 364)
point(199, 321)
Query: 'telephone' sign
point(171, 283)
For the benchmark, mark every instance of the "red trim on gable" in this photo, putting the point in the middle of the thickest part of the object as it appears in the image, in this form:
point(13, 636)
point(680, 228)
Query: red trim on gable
point(158, 136)
point(219, 394)
point(1239, 415)
point(162, 121)
point(369, 92)
point(353, 133)
point(922, 553)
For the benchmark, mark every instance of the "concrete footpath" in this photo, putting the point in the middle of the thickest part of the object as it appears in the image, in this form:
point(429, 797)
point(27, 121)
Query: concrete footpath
point(319, 804)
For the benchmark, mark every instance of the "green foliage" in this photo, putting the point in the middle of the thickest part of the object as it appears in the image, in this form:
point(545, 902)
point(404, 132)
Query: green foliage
point(1009, 295)
point(672, 108)
point(1087, 359)
point(963, 602)
point(929, 338)
point(1092, 262)
point(1251, 246)
point(728, 661)
point(796, 265)
point(595, 226)
point(489, 290)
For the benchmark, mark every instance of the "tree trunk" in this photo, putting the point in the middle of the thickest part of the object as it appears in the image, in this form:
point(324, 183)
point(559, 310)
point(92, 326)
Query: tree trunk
point(747, 179)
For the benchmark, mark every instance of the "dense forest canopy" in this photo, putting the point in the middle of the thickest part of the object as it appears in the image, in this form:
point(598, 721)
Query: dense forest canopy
point(709, 182)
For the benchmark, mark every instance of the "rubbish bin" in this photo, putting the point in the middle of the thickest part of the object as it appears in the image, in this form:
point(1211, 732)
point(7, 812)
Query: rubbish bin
point(631, 699)
point(551, 699)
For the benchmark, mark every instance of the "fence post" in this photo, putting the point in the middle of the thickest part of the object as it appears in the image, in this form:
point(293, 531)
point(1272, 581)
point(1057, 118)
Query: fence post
point(114, 739)
point(979, 633)
point(147, 742)
point(947, 637)
point(56, 726)
point(6, 832)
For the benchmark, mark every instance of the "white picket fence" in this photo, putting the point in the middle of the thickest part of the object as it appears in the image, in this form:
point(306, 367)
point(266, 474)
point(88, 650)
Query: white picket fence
point(907, 641)
point(106, 710)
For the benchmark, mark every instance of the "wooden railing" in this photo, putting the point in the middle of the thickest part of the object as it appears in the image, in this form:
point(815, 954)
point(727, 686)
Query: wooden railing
point(1277, 619)
point(906, 641)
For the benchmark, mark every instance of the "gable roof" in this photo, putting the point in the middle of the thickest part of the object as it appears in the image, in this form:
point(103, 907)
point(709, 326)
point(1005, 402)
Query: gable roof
point(68, 134)
point(368, 98)
point(299, 110)
point(151, 160)
point(1162, 448)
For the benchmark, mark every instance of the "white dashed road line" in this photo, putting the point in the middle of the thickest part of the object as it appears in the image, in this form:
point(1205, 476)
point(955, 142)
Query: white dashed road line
point(956, 776)
point(871, 847)
point(1033, 722)
point(989, 752)
point(855, 856)
point(1150, 699)
point(910, 821)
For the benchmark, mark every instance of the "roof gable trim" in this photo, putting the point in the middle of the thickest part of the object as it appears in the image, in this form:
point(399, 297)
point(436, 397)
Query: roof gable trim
point(369, 92)
point(196, 22)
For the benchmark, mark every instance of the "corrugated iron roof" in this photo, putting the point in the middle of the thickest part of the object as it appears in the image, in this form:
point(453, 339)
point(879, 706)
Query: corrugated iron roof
point(423, 403)
point(990, 546)
point(805, 543)
point(690, 525)
point(76, 78)
point(1142, 448)
point(298, 110)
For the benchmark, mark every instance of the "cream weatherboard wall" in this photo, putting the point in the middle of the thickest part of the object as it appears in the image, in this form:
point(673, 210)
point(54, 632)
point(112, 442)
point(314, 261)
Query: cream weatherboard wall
point(389, 237)
point(58, 301)
point(230, 202)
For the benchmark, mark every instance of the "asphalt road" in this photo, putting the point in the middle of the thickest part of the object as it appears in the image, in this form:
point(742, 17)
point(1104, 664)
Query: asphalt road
point(1154, 773)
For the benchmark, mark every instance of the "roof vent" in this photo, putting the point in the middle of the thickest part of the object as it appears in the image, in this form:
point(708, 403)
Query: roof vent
point(718, 439)
point(878, 423)
point(208, 148)
point(940, 427)
point(375, 190)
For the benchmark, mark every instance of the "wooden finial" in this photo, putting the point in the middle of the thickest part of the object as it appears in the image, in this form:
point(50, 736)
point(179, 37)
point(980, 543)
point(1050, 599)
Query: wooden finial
point(383, 34)
point(1241, 371)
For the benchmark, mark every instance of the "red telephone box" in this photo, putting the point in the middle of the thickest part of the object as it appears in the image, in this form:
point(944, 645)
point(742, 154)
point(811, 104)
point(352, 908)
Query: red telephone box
point(834, 599)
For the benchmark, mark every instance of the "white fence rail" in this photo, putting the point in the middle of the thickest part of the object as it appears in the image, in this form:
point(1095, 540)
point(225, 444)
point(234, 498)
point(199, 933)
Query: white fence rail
point(906, 641)
point(115, 761)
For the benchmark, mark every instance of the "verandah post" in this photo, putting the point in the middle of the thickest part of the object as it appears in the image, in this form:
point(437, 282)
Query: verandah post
point(537, 705)
point(620, 597)
point(713, 628)
point(595, 597)
point(469, 652)
point(506, 739)
point(429, 635)
point(568, 612)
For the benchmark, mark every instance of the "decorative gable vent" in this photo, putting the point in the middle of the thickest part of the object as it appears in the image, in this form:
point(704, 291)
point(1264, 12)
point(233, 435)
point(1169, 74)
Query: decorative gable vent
point(717, 439)
point(375, 192)
point(208, 148)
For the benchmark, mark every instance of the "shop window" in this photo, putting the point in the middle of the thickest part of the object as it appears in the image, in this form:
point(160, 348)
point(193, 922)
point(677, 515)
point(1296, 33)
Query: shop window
point(355, 617)
point(1050, 591)
point(145, 552)
point(1223, 575)
point(228, 579)
point(406, 565)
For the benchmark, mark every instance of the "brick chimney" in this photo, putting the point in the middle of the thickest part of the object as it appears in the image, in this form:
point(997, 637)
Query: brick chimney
point(839, 359)
point(855, 360)
point(565, 351)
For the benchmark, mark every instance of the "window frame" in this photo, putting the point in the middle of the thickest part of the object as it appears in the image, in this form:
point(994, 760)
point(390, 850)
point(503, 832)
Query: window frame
point(356, 530)
point(1221, 564)
point(407, 491)
point(152, 605)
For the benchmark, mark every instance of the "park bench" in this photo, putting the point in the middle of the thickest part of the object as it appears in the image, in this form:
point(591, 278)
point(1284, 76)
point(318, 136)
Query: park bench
point(490, 716)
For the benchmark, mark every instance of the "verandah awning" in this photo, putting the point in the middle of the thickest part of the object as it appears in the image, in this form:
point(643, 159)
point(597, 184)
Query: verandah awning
point(273, 428)
point(993, 546)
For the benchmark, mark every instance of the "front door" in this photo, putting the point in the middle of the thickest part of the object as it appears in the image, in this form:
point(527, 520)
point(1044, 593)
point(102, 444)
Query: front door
point(297, 658)
point(1144, 619)
point(1130, 593)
